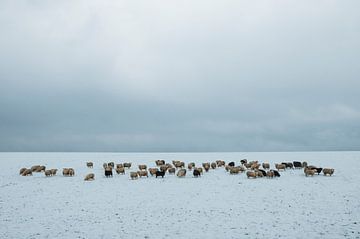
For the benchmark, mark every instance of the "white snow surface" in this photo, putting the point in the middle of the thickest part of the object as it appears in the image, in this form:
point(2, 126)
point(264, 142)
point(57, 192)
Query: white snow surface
point(217, 205)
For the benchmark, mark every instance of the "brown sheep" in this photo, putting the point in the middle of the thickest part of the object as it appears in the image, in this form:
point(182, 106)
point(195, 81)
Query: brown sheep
point(48, 173)
point(153, 171)
point(71, 172)
point(89, 164)
point(142, 173)
point(179, 164)
point(142, 167)
point(190, 166)
point(266, 166)
point(181, 173)
point(35, 168)
point(234, 170)
point(309, 172)
point(163, 168)
point(328, 171)
point(22, 170)
point(280, 167)
point(255, 166)
point(65, 171)
point(89, 177)
point(171, 170)
point(200, 169)
point(120, 170)
point(206, 166)
point(251, 174)
point(213, 165)
point(259, 174)
point(134, 175)
point(120, 165)
point(270, 174)
point(53, 171)
point(27, 172)
point(220, 163)
point(160, 162)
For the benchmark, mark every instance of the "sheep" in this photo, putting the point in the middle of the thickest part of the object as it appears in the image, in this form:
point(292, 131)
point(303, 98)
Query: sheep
point(266, 166)
point(259, 174)
point(213, 165)
point(163, 168)
point(171, 170)
point(181, 173)
point(48, 173)
point(179, 164)
point(120, 165)
point(231, 164)
point(297, 164)
point(234, 170)
point(153, 171)
point(196, 173)
point(68, 172)
point(143, 173)
point(111, 164)
point(89, 177)
point(263, 172)
point(108, 171)
point(190, 166)
point(220, 163)
point(206, 166)
point(309, 172)
point(243, 161)
point(127, 165)
point(280, 166)
point(160, 174)
point(142, 167)
point(120, 170)
point(255, 166)
point(89, 164)
point(328, 171)
point(134, 175)
point(34, 168)
point(288, 165)
point(160, 162)
point(270, 174)
point(22, 170)
point(276, 173)
point(41, 169)
point(71, 172)
point(318, 170)
point(65, 171)
point(53, 171)
point(27, 172)
point(251, 174)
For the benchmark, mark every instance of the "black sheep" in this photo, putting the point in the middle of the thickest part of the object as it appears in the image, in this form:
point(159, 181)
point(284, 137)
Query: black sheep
point(160, 173)
point(297, 164)
point(108, 172)
point(276, 173)
point(196, 173)
point(318, 170)
point(263, 172)
point(231, 164)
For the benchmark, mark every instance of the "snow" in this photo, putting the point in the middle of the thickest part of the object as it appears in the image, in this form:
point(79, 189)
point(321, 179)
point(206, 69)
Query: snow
point(217, 205)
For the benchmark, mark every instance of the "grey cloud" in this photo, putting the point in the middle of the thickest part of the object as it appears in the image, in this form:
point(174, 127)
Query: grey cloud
point(189, 76)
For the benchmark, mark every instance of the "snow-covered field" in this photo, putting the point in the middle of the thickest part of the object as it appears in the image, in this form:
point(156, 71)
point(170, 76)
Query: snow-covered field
point(217, 205)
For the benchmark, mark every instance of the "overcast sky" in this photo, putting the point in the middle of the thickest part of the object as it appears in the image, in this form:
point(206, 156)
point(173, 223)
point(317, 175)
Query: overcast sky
point(187, 75)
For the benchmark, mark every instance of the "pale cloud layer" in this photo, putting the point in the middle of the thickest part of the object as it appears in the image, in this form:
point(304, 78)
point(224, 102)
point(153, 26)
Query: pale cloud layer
point(179, 75)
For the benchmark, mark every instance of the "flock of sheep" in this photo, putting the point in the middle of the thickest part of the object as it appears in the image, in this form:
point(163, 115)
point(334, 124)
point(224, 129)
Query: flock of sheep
point(253, 169)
